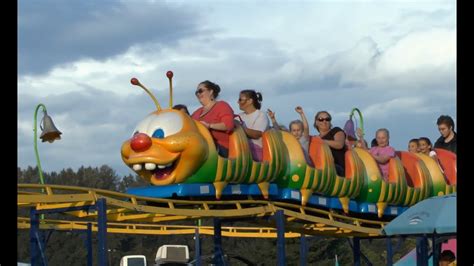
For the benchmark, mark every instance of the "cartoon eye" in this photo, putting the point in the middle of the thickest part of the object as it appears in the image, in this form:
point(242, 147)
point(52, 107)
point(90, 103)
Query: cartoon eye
point(159, 134)
point(161, 125)
point(143, 125)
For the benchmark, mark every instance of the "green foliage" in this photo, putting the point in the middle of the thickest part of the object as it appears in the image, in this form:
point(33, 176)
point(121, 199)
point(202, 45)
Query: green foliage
point(68, 248)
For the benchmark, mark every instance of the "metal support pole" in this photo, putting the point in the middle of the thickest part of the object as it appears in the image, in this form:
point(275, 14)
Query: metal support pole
point(89, 244)
point(46, 238)
point(38, 256)
point(422, 251)
point(303, 251)
point(280, 224)
point(35, 258)
point(356, 251)
point(102, 231)
point(41, 246)
point(197, 246)
point(389, 252)
point(436, 250)
point(218, 254)
point(400, 241)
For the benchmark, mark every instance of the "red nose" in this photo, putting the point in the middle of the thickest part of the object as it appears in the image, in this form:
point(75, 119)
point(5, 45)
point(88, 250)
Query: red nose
point(140, 142)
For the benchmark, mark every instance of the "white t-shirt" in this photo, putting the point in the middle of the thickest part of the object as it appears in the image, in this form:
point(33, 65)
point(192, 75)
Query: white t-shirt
point(257, 120)
point(304, 141)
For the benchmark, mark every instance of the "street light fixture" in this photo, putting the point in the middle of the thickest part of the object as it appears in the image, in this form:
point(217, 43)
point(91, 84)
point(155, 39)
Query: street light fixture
point(349, 128)
point(49, 133)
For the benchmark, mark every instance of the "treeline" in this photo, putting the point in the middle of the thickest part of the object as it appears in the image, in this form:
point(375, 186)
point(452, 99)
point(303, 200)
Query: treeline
point(68, 248)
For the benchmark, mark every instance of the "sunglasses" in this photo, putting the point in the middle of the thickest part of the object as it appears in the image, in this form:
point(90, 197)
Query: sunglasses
point(199, 91)
point(327, 119)
point(242, 99)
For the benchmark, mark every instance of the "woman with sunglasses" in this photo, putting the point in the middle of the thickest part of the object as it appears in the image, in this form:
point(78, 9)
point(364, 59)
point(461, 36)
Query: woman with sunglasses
point(254, 121)
point(334, 137)
point(217, 116)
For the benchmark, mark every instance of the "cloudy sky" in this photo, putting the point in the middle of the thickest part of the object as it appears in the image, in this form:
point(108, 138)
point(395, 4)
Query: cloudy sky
point(395, 61)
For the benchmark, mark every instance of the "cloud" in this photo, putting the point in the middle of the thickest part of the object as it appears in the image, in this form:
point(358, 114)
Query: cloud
point(193, 61)
point(58, 32)
point(401, 79)
point(432, 48)
point(413, 106)
point(424, 19)
point(419, 60)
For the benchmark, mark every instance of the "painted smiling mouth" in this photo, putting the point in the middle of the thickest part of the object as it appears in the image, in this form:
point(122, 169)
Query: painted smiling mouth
point(158, 171)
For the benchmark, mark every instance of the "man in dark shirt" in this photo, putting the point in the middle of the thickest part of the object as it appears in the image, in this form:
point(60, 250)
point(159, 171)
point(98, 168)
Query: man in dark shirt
point(447, 140)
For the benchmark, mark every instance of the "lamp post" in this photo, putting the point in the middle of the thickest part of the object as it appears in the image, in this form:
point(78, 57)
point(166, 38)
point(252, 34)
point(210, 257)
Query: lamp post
point(49, 133)
point(349, 128)
point(361, 119)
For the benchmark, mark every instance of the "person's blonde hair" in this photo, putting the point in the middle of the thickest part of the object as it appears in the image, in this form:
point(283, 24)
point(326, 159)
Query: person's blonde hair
point(383, 130)
point(296, 122)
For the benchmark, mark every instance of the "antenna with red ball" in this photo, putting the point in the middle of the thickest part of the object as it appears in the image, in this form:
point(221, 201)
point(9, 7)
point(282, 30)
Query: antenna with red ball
point(169, 74)
point(135, 82)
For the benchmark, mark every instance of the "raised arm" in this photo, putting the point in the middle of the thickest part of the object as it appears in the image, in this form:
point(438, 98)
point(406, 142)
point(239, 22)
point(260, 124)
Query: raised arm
point(271, 114)
point(299, 110)
point(360, 137)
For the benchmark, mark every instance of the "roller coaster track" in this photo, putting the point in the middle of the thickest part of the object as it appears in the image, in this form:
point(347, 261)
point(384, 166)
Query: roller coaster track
point(141, 215)
point(156, 229)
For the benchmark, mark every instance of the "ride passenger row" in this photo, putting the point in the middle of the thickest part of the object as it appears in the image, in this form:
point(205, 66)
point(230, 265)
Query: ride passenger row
point(218, 117)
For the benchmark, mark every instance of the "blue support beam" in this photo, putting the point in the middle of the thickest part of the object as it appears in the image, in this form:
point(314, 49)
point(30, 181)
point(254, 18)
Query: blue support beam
point(356, 250)
point(436, 250)
point(37, 241)
point(280, 226)
point(389, 252)
point(422, 251)
point(102, 231)
point(197, 246)
point(218, 253)
point(37, 237)
point(40, 242)
point(35, 256)
point(46, 237)
point(303, 251)
point(401, 240)
point(89, 244)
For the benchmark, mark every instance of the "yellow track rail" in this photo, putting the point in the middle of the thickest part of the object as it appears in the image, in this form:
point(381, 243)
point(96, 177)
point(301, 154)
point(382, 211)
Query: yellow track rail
point(156, 229)
point(142, 213)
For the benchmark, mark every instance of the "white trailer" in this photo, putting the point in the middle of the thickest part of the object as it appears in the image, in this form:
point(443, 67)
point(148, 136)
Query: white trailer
point(172, 254)
point(133, 260)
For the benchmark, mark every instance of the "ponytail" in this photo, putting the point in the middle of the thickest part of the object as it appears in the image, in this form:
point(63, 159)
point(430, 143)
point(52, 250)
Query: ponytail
point(255, 96)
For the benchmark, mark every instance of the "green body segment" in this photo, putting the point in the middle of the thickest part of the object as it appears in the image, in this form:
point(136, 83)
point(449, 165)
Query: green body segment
point(437, 183)
point(284, 163)
point(372, 186)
